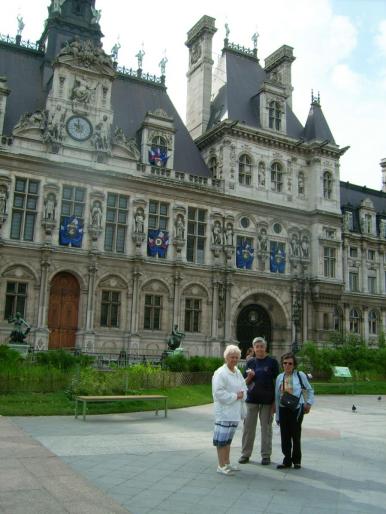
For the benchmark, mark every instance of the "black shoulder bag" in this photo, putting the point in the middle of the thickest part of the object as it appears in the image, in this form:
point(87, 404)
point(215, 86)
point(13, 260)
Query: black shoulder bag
point(288, 400)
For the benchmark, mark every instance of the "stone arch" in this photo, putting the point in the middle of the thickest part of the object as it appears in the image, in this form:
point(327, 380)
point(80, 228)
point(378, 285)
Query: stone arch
point(151, 285)
point(107, 281)
point(191, 286)
point(77, 275)
point(19, 272)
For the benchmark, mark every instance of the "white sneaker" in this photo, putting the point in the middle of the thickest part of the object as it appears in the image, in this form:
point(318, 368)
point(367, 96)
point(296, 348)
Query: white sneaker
point(232, 467)
point(224, 470)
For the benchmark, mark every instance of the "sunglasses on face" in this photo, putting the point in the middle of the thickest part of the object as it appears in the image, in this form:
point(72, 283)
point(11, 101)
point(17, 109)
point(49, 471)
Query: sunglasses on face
point(288, 363)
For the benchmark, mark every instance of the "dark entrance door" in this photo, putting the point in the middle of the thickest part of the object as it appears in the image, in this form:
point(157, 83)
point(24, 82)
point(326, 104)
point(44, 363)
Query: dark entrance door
point(63, 311)
point(253, 321)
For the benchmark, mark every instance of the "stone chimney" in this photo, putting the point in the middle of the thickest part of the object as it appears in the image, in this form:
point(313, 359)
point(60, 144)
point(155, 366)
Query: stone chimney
point(199, 75)
point(383, 166)
point(278, 68)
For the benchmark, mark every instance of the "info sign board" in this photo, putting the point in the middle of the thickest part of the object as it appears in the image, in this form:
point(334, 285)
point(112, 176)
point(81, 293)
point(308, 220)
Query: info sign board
point(341, 372)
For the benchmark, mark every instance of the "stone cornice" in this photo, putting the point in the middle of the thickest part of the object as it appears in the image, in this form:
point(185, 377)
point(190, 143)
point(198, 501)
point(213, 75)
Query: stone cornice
point(275, 140)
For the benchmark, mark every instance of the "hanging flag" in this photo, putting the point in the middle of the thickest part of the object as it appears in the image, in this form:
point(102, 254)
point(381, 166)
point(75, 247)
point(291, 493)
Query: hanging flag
point(71, 232)
point(157, 243)
point(277, 258)
point(158, 156)
point(244, 255)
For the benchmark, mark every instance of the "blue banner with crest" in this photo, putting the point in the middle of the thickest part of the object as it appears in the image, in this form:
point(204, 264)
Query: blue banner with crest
point(244, 255)
point(277, 258)
point(71, 232)
point(157, 243)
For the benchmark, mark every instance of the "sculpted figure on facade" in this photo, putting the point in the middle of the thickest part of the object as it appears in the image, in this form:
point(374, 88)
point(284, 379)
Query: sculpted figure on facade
point(96, 15)
point(49, 207)
point(101, 137)
point(180, 227)
point(130, 144)
point(305, 247)
point(20, 25)
point(57, 6)
point(261, 175)
point(114, 51)
point(82, 92)
point(229, 234)
point(295, 246)
point(37, 119)
point(263, 240)
point(139, 221)
point(217, 233)
point(162, 65)
point(55, 125)
point(96, 214)
point(140, 56)
point(3, 200)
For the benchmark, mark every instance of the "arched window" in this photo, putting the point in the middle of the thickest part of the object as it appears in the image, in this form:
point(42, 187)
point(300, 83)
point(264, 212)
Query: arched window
point(373, 323)
point(213, 167)
point(245, 170)
point(354, 321)
point(327, 185)
point(301, 183)
point(276, 177)
point(274, 116)
point(337, 320)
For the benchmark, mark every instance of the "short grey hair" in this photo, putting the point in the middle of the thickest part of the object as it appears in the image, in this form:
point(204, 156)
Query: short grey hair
point(231, 348)
point(259, 340)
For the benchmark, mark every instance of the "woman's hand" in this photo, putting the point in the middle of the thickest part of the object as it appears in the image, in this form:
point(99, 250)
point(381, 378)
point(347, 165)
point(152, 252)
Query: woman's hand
point(240, 395)
point(307, 408)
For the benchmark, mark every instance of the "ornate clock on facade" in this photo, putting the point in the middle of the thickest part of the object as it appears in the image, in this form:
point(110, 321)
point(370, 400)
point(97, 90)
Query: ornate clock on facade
point(79, 128)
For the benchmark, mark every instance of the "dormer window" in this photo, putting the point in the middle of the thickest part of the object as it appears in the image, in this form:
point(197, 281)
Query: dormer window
point(327, 185)
point(276, 177)
point(274, 115)
point(245, 170)
point(213, 167)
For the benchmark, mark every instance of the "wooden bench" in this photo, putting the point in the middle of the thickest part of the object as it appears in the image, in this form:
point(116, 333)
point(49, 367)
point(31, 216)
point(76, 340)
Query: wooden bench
point(97, 399)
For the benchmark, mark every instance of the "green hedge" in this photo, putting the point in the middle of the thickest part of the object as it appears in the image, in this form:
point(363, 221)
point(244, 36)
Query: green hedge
point(351, 352)
point(179, 362)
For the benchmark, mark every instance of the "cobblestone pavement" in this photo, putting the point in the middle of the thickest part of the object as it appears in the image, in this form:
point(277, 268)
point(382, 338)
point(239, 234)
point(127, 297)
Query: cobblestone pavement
point(149, 464)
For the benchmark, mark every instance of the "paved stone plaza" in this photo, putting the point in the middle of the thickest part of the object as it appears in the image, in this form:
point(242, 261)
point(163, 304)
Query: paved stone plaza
point(150, 464)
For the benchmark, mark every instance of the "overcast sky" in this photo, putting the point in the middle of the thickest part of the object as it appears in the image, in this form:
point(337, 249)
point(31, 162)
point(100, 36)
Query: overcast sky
point(340, 49)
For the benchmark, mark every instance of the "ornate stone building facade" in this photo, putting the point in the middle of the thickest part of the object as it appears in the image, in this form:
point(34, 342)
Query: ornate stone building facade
point(119, 222)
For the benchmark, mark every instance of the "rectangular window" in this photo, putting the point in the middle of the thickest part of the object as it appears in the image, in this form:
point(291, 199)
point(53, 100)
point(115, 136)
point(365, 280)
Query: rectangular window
point(368, 224)
point(329, 262)
point(372, 284)
point(116, 222)
point(353, 252)
point(73, 202)
point(158, 215)
point(195, 248)
point(15, 299)
point(152, 317)
point(110, 307)
point(24, 211)
point(276, 181)
point(371, 255)
point(192, 315)
point(353, 281)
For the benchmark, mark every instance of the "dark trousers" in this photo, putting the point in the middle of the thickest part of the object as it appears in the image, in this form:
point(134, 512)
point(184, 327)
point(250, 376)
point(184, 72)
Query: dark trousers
point(291, 432)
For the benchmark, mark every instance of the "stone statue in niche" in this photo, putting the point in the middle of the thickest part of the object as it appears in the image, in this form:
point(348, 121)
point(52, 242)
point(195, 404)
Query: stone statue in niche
point(96, 214)
point(49, 207)
point(295, 246)
point(305, 247)
point(261, 175)
point(263, 240)
point(139, 221)
point(55, 125)
point(3, 199)
point(229, 234)
point(216, 233)
point(180, 227)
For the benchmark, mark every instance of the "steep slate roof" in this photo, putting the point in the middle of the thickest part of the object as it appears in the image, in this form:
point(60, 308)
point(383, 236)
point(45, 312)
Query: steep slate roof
point(238, 96)
point(22, 69)
point(132, 99)
point(351, 197)
point(316, 126)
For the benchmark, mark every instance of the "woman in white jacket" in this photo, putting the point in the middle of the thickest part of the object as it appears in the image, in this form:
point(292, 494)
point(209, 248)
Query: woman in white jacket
point(229, 394)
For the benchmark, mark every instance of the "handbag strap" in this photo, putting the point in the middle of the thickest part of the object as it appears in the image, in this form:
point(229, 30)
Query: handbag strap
point(300, 381)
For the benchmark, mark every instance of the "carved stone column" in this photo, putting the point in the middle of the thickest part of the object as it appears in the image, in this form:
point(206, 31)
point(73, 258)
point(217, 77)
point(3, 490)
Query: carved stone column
point(90, 311)
point(4, 193)
point(135, 302)
point(364, 332)
point(346, 321)
point(345, 265)
point(42, 333)
point(364, 286)
point(177, 299)
point(228, 309)
point(214, 330)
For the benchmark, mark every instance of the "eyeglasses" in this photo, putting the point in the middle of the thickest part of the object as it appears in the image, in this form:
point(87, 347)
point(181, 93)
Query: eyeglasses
point(288, 363)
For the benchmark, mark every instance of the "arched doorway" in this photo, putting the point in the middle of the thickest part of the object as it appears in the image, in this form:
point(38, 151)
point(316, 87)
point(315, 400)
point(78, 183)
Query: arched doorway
point(253, 321)
point(63, 311)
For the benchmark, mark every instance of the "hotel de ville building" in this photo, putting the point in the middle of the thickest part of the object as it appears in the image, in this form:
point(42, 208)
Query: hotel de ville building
point(119, 222)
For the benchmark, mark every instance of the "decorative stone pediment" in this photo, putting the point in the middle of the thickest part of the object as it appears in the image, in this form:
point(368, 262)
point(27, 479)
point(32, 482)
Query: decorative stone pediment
point(112, 282)
point(18, 273)
point(84, 54)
